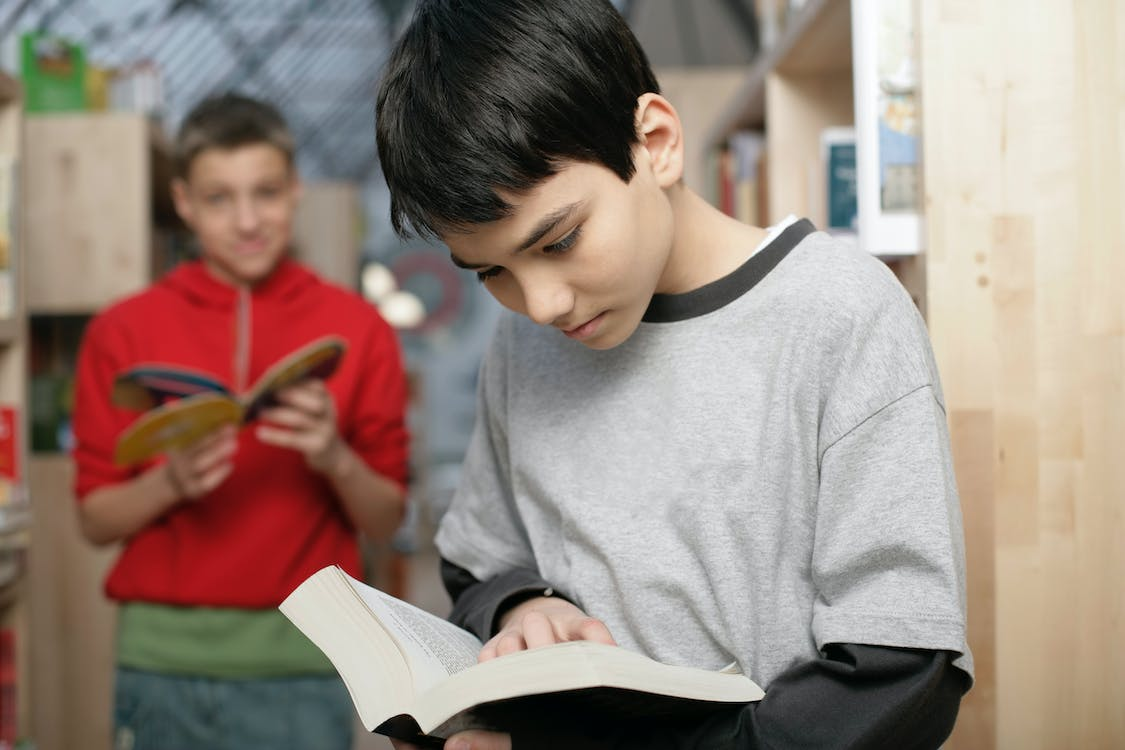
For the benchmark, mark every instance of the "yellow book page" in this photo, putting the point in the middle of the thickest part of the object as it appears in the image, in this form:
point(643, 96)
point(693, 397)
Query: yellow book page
point(175, 425)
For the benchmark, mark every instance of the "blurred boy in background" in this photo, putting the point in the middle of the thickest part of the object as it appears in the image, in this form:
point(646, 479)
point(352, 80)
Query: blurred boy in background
point(214, 536)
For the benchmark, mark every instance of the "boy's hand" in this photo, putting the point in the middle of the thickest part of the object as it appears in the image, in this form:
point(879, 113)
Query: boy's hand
point(305, 421)
point(470, 740)
point(202, 466)
point(536, 622)
point(540, 622)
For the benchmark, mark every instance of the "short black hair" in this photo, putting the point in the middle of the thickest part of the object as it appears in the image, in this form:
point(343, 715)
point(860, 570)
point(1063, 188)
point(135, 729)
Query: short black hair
point(487, 95)
point(228, 121)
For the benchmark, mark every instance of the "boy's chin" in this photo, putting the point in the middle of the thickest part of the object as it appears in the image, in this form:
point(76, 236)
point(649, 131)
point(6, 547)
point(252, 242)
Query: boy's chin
point(245, 271)
point(610, 337)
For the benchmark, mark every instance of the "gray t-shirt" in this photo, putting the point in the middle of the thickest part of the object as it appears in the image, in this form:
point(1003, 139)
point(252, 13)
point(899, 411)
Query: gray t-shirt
point(761, 469)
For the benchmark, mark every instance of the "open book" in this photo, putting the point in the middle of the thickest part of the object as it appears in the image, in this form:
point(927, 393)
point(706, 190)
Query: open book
point(415, 676)
point(183, 405)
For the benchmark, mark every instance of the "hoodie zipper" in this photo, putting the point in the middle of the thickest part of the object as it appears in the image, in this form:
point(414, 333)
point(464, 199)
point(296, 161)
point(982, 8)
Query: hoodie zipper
point(242, 340)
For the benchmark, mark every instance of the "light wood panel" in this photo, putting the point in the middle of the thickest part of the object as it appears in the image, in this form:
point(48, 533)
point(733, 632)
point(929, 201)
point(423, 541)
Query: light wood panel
point(88, 209)
point(1024, 153)
point(71, 651)
point(800, 106)
point(327, 230)
point(698, 94)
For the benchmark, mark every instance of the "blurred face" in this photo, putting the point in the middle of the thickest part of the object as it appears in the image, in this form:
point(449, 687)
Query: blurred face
point(582, 252)
point(240, 204)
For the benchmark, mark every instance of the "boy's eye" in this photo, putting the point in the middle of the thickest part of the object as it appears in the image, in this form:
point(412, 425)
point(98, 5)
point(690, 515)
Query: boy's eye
point(489, 273)
point(565, 243)
point(555, 248)
point(215, 199)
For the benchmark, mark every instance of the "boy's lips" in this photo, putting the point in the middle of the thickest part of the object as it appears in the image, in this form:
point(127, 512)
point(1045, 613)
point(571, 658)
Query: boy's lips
point(250, 247)
point(585, 330)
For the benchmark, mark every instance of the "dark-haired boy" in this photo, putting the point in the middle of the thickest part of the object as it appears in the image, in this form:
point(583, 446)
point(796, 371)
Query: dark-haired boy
point(216, 535)
point(733, 449)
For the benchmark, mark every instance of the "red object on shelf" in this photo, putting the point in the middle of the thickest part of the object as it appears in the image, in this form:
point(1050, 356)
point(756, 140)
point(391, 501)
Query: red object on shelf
point(8, 728)
point(9, 444)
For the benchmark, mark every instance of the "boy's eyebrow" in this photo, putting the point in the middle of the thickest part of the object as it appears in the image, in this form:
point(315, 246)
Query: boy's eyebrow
point(462, 264)
point(548, 223)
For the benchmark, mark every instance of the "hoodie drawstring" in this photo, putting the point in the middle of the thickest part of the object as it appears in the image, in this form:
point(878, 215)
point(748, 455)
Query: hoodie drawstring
point(242, 340)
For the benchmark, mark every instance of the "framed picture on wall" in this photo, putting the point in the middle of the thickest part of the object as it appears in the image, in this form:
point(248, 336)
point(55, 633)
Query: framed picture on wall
point(884, 58)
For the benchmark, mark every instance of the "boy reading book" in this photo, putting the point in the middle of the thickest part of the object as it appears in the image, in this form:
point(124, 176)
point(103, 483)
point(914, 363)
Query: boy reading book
point(415, 676)
point(217, 532)
point(705, 441)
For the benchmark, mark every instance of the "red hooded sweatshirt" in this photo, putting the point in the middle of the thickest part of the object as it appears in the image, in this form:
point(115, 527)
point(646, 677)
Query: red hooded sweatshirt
point(274, 521)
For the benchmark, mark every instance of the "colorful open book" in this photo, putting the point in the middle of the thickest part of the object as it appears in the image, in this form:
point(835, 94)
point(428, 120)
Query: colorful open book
point(183, 405)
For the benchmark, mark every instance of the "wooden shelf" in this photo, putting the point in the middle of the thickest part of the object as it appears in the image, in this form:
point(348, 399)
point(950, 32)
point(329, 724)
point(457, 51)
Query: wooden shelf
point(15, 515)
point(9, 331)
point(817, 40)
point(88, 244)
point(14, 520)
point(9, 89)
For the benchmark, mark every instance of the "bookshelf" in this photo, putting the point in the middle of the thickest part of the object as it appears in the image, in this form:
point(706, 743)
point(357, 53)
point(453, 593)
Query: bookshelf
point(1019, 271)
point(99, 225)
point(796, 89)
point(806, 84)
point(14, 513)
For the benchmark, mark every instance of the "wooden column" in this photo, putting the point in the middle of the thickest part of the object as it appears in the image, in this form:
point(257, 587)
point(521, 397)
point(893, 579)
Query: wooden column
point(1024, 156)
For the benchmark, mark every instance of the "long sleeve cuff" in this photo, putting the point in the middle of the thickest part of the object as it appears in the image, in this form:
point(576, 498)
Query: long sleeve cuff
point(478, 605)
point(854, 696)
point(857, 697)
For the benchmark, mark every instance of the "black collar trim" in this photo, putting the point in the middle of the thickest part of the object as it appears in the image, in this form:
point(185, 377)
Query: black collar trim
point(670, 308)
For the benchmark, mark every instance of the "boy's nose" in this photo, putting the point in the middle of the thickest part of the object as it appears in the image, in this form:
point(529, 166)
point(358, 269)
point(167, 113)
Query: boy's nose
point(246, 215)
point(546, 301)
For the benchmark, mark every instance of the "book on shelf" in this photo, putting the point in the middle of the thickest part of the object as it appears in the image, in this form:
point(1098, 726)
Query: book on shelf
point(414, 676)
point(9, 208)
point(741, 187)
point(182, 405)
point(9, 682)
point(838, 154)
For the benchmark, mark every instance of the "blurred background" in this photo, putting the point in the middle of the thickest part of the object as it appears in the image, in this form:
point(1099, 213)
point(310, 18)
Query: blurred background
point(978, 149)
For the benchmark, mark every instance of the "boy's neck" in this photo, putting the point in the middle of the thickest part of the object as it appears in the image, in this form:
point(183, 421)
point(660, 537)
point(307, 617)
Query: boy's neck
point(707, 244)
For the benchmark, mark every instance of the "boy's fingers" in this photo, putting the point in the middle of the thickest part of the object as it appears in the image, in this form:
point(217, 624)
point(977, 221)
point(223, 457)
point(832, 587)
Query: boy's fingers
point(538, 630)
point(509, 643)
point(214, 453)
point(293, 419)
point(593, 629)
point(215, 477)
point(280, 437)
point(487, 652)
point(309, 396)
point(475, 739)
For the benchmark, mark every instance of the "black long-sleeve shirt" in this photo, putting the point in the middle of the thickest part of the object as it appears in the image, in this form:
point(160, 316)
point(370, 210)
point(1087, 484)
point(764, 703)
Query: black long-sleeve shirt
point(853, 696)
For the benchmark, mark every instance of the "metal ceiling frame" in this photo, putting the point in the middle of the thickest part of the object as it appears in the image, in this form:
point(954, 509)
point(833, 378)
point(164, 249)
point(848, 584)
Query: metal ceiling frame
point(745, 18)
point(323, 79)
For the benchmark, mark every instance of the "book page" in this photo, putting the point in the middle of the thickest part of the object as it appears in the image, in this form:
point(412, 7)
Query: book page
point(174, 425)
point(434, 647)
point(318, 360)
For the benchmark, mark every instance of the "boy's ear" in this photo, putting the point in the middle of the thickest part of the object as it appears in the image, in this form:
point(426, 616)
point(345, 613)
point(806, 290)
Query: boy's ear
point(662, 136)
point(181, 202)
